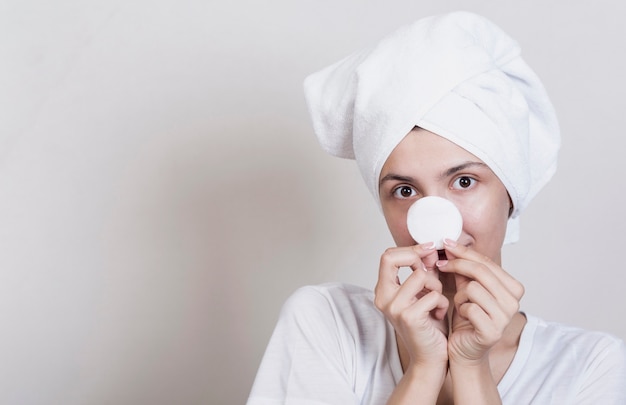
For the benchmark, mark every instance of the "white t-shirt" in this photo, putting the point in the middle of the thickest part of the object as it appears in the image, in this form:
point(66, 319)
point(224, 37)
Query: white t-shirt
point(332, 346)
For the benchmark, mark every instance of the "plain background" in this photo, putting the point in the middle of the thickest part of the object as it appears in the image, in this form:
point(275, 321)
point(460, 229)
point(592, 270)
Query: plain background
point(162, 192)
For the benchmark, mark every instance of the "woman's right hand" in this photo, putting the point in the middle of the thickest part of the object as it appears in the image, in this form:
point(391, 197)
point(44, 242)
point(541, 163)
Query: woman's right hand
point(416, 308)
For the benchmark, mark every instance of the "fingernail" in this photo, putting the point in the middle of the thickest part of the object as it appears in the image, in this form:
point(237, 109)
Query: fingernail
point(425, 269)
point(441, 263)
point(449, 242)
point(428, 246)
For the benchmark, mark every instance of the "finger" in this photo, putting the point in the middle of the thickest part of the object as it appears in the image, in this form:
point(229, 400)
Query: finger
point(441, 309)
point(390, 263)
point(487, 291)
point(478, 273)
point(498, 312)
point(434, 302)
point(418, 284)
point(395, 258)
point(487, 331)
point(412, 311)
point(460, 251)
point(419, 312)
point(465, 271)
point(431, 256)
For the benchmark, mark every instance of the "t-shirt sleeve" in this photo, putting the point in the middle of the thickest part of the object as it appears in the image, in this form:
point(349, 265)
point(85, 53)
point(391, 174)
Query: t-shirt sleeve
point(604, 379)
point(305, 362)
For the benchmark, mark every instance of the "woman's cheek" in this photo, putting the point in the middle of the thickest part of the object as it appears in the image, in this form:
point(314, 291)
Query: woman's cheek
point(480, 210)
point(470, 218)
point(485, 226)
point(474, 220)
point(403, 237)
point(399, 230)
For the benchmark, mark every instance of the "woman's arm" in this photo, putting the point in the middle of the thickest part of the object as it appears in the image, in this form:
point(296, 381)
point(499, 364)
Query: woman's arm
point(474, 384)
point(486, 301)
point(417, 311)
point(420, 384)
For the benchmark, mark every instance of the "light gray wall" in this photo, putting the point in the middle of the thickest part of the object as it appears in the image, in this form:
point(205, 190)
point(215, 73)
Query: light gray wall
point(162, 193)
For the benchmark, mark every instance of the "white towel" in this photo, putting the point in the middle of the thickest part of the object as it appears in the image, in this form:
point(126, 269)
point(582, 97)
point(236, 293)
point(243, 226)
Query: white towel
point(457, 75)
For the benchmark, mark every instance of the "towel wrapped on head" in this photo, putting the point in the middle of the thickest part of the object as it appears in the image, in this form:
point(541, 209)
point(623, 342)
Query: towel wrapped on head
point(457, 75)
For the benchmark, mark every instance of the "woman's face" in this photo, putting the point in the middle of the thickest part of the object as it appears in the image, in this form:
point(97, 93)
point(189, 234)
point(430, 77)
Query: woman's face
point(425, 164)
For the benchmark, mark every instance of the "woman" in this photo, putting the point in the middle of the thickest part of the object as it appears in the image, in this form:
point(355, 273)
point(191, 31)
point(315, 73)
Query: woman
point(444, 107)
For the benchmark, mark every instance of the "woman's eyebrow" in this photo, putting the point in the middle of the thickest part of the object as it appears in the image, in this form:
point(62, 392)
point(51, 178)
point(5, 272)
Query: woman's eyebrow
point(453, 170)
point(396, 177)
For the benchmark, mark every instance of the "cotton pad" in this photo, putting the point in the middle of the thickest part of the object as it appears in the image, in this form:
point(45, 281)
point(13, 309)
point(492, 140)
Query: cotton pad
point(433, 219)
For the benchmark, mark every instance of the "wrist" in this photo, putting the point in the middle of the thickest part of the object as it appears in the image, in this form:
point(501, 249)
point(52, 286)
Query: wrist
point(431, 373)
point(423, 381)
point(474, 373)
point(478, 363)
point(475, 366)
point(473, 383)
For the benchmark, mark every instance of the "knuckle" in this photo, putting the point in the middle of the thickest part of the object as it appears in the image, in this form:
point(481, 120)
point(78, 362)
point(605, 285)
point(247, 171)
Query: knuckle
point(519, 290)
point(382, 303)
point(393, 309)
point(405, 316)
point(492, 335)
point(487, 260)
point(469, 310)
point(389, 257)
point(515, 308)
point(389, 251)
point(437, 284)
point(385, 258)
point(473, 287)
point(378, 302)
point(419, 275)
point(496, 334)
point(484, 268)
point(473, 309)
point(380, 299)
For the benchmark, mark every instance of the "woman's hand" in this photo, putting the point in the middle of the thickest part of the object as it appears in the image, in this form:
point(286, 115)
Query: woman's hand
point(416, 308)
point(486, 300)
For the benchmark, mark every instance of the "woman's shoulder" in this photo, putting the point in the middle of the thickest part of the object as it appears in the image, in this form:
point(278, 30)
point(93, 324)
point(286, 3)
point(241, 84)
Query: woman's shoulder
point(330, 344)
point(339, 297)
point(575, 365)
point(342, 305)
point(550, 331)
point(557, 340)
point(555, 360)
point(334, 292)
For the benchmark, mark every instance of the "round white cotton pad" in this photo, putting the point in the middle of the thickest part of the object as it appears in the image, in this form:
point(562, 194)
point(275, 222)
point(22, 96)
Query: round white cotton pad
point(433, 219)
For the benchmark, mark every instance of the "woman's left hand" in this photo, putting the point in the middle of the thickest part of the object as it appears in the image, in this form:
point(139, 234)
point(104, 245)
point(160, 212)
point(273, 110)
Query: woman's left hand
point(486, 300)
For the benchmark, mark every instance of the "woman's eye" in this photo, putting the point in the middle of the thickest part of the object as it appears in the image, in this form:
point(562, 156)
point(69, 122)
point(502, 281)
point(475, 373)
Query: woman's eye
point(404, 192)
point(463, 182)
